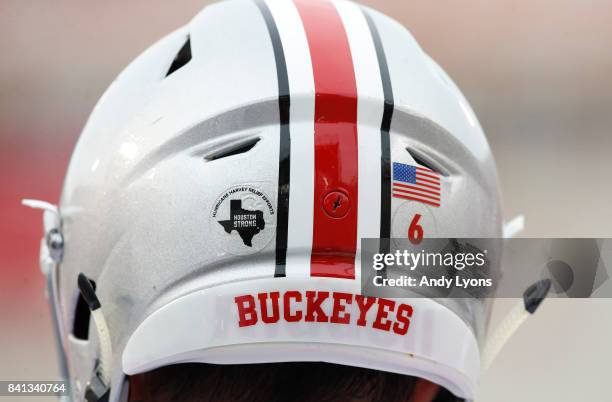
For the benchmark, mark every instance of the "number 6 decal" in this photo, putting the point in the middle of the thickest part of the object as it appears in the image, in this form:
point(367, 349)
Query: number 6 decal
point(415, 231)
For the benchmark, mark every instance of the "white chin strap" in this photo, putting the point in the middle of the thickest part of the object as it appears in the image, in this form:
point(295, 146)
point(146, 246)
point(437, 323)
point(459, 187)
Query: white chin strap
point(532, 298)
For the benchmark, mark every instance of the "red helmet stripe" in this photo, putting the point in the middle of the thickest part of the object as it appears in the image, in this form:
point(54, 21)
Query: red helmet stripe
point(336, 158)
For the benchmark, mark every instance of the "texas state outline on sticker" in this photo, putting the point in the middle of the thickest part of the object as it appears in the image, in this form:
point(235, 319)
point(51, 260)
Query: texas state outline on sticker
point(244, 221)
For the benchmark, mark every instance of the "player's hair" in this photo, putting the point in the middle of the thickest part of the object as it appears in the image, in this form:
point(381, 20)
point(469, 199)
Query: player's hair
point(283, 382)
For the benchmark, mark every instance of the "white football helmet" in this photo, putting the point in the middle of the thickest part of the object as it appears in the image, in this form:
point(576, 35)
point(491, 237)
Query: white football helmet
point(217, 196)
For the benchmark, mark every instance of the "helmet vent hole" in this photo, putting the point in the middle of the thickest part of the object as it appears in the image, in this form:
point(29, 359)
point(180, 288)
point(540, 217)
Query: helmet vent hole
point(182, 57)
point(82, 316)
point(233, 149)
point(426, 162)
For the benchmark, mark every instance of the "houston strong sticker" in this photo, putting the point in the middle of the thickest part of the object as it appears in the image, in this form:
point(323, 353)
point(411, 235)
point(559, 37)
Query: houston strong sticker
point(243, 220)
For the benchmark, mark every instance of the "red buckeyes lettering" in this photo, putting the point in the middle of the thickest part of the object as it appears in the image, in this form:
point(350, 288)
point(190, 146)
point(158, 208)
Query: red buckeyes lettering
point(323, 307)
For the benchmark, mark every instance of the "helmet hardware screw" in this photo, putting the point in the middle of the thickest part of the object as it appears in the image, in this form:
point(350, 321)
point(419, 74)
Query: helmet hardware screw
point(336, 204)
point(55, 243)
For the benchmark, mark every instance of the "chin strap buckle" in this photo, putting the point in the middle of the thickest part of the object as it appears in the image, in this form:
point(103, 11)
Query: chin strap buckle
point(97, 390)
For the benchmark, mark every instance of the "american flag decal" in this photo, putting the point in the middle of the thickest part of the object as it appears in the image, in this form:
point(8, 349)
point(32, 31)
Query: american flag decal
point(416, 183)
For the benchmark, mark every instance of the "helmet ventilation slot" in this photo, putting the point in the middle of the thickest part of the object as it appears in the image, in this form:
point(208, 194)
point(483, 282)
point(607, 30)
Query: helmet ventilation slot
point(426, 162)
point(82, 316)
point(182, 57)
point(232, 149)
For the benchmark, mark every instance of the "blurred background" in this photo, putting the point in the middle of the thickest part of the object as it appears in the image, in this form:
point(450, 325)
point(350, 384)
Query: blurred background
point(538, 75)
